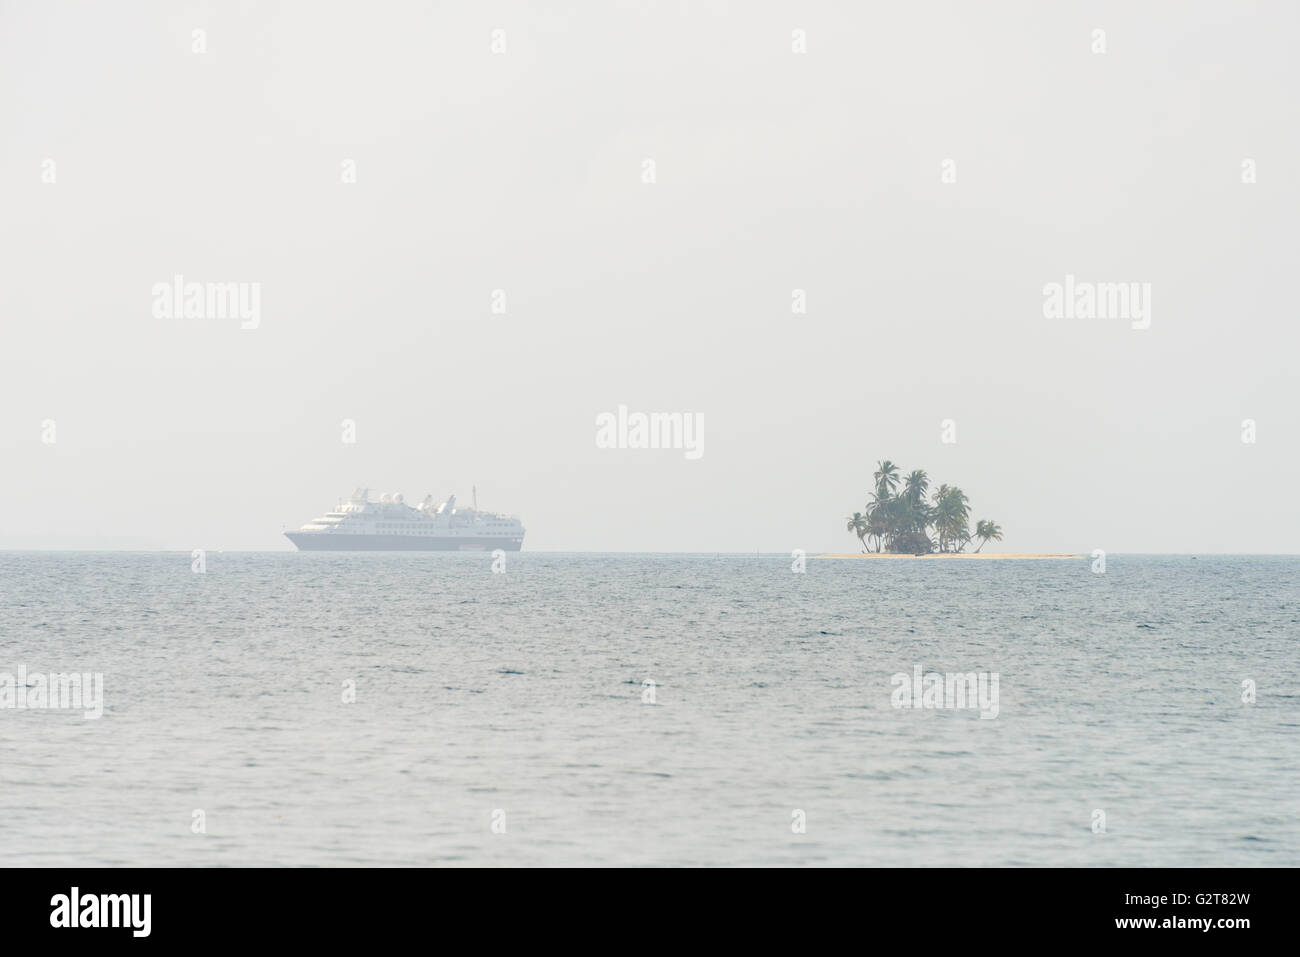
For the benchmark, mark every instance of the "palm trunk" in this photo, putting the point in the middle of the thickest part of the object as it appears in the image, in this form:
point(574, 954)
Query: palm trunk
point(982, 544)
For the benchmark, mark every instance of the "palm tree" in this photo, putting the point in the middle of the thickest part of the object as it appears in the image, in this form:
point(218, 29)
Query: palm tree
point(878, 506)
point(951, 512)
point(942, 515)
point(893, 516)
point(914, 516)
point(985, 530)
point(857, 524)
point(915, 486)
point(886, 477)
point(878, 528)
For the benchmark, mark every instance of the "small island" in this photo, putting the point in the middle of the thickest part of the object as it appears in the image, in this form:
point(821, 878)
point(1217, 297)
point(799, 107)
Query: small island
point(900, 521)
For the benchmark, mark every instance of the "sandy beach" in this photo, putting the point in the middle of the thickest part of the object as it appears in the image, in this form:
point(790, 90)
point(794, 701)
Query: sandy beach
point(980, 555)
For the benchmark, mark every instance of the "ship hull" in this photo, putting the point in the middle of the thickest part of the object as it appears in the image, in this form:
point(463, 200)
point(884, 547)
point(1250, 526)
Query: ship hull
point(315, 542)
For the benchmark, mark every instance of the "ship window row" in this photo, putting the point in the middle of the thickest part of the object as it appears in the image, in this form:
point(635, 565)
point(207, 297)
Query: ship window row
point(407, 530)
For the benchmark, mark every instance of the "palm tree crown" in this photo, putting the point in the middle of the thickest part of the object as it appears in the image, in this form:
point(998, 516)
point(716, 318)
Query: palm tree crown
point(986, 530)
point(858, 525)
point(915, 486)
point(886, 478)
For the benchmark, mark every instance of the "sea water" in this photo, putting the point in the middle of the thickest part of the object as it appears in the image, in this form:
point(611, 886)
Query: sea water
point(584, 709)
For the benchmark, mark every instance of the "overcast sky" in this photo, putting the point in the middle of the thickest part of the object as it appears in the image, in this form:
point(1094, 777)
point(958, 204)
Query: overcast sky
point(524, 171)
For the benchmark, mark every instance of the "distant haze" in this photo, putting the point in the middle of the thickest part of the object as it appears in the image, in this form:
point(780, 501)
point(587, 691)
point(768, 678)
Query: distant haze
point(524, 171)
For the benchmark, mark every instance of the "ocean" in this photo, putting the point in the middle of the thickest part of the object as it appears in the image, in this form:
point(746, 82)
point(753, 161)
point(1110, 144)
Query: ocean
point(649, 709)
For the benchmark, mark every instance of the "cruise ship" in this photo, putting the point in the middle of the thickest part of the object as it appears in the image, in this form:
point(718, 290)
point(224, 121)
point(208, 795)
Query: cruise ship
point(389, 524)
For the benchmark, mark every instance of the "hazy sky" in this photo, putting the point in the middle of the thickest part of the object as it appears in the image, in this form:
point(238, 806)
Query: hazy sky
point(523, 171)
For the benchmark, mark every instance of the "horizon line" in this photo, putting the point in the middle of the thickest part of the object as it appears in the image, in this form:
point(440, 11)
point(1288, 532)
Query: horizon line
point(561, 551)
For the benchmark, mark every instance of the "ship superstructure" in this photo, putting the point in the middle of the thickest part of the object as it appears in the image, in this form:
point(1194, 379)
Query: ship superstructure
point(389, 524)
